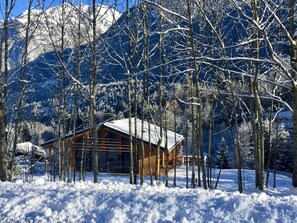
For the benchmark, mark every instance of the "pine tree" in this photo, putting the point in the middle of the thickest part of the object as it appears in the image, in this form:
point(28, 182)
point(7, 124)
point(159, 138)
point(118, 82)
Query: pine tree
point(223, 155)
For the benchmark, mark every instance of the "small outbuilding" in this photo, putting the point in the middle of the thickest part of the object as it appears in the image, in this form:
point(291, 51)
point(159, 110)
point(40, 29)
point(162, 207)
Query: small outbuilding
point(27, 148)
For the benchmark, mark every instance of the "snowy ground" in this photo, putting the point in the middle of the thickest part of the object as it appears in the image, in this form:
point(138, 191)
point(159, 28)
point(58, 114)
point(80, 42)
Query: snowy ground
point(114, 200)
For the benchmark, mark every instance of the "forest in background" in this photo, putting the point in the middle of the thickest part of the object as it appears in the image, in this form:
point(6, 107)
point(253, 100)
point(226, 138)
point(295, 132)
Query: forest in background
point(222, 73)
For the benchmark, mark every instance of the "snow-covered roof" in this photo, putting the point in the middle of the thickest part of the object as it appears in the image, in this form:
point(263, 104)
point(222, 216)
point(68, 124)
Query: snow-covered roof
point(123, 127)
point(28, 147)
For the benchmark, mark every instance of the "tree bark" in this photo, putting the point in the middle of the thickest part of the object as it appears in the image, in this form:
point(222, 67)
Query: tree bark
point(187, 162)
point(293, 58)
point(129, 93)
point(136, 164)
point(93, 95)
point(269, 145)
point(166, 149)
point(157, 171)
point(3, 94)
point(198, 98)
point(22, 82)
point(175, 149)
point(75, 109)
point(146, 97)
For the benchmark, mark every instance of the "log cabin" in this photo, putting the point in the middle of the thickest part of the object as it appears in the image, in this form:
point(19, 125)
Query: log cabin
point(113, 147)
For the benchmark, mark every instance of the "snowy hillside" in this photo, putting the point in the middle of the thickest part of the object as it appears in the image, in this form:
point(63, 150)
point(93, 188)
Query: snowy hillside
point(114, 200)
point(48, 29)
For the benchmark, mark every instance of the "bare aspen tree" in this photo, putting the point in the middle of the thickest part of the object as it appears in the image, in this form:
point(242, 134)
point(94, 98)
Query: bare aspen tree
point(193, 120)
point(216, 18)
point(199, 116)
point(198, 96)
point(236, 143)
point(275, 156)
point(269, 144)
point(3, 92)
point(258, 108)
point(145, 97)
point(3, 154)
point(93, 93)
point(193, 133)
point(76, 87)
point(136, 98)
point(195, 48)
point(62, 98)
point(175, 141)
point(160, 48)
point(63, 95)
point(146, 82)
point(84, 146)
point(149, 135)
point(142, 147)
point(129, 67)
point(293, 59)
point(23, 83)
point(166, 147)
point(211, 140)
point(187, 162)
point(8, 8)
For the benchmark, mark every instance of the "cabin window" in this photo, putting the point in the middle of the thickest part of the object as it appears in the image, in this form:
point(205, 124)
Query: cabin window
point(125, 141)
point(117, 162)
point(111, 135)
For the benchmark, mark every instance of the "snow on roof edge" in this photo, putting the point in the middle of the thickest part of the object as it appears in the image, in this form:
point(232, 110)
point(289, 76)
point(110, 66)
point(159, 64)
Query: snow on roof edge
point(122, 126)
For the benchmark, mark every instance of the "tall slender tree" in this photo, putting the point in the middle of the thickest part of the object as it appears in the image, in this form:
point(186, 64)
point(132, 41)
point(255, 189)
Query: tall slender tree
point(136, 98)
point(145, 97)
point(293, 58)
point(76, 87)
point(198, 95)
point(62, 97)
point(129, 68)
point(93, 83)
point(160, 48)
point(255, 5)
point(22, 85)
point(3, 91)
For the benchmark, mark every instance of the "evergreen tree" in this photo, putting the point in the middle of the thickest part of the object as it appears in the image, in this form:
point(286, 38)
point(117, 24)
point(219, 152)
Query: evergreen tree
point(222, 155)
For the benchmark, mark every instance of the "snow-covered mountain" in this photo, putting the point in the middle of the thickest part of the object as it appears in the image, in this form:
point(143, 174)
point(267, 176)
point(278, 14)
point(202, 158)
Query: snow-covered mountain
point(46, 29)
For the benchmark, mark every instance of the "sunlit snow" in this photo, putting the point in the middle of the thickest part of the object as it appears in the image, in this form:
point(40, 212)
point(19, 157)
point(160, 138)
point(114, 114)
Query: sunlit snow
point(115, 200)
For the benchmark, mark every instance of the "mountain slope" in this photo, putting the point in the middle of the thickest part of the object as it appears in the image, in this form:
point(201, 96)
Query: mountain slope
point(47, 29)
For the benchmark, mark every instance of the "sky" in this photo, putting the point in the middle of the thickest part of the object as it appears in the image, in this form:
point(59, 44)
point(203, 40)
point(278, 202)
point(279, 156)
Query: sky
point(21, 5)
